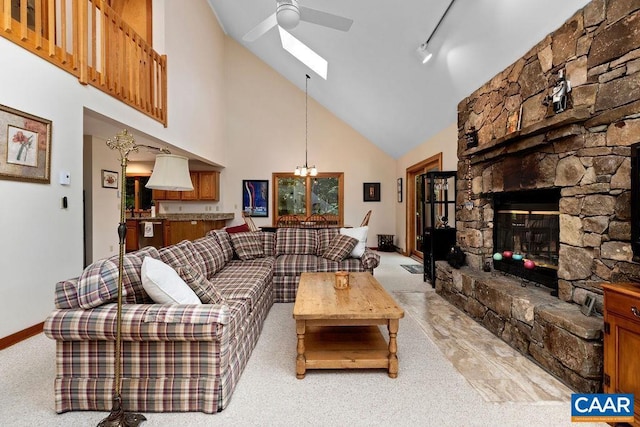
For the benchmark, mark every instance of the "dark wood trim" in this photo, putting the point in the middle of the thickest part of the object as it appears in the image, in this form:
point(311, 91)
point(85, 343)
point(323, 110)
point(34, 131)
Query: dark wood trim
point(21, 336)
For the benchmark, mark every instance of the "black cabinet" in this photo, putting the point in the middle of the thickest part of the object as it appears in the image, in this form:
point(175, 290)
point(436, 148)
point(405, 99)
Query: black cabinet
point(438, 219)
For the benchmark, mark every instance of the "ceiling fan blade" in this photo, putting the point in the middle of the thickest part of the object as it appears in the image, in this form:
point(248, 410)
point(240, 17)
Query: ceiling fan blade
point(325, 19)
point(259, 30)
point(303, 53)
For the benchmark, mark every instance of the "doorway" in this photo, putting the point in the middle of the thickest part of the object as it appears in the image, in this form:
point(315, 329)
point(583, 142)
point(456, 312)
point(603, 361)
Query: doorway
point(415, 206)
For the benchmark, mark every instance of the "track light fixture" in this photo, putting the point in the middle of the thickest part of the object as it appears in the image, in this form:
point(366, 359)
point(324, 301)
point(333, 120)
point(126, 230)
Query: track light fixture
point(423, 52)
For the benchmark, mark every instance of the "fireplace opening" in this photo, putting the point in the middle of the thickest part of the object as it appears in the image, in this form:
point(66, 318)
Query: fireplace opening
point(526, 235)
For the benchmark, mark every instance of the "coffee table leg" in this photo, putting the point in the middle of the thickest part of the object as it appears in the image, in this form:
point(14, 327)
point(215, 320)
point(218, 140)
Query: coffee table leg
point(393, 347)
point(301, 361)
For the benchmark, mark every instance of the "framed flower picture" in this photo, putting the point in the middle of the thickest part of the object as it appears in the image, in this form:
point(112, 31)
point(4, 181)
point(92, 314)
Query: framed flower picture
point(25, 146)
point(109, 179)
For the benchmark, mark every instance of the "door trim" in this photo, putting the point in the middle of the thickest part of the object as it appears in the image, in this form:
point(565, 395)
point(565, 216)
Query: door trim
point(432, 163)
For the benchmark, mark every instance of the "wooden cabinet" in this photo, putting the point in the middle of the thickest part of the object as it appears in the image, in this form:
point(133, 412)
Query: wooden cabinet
point(177, 231)
point(209, 185)
point(131, 241)
point(206, 186)
point(622, 341)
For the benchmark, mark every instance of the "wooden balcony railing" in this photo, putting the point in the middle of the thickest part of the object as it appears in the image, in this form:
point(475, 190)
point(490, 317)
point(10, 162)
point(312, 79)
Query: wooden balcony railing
point(89, 40)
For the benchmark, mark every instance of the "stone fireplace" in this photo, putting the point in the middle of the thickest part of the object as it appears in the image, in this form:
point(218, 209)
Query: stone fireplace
point(582, 153)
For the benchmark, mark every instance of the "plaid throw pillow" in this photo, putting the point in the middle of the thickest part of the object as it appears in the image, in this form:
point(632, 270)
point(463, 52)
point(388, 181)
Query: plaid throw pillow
point(247, 245)
point(203, 288)
point(340, 247)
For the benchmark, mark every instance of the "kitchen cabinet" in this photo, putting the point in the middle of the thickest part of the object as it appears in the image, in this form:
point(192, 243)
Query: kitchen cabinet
point(209, 185)
point(131, 240)
point(622, 341)
point(177, 231)
point(206, 186)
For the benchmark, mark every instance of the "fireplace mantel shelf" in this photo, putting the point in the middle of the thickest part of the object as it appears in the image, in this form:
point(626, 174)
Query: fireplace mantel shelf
point(499, 146)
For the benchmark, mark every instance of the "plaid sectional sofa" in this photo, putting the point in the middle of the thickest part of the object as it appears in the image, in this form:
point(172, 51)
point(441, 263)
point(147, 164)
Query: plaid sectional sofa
point(176, 357)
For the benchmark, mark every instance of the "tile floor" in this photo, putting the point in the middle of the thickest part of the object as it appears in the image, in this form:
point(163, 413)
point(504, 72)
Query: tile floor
point(498, 372)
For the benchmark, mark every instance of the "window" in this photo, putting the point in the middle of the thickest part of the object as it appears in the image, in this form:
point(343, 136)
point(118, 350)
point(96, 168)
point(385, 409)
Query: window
point(138, 196)
point(303, 196)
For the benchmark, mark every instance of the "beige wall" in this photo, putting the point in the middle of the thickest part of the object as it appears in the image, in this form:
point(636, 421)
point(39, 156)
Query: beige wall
point(266, 134)
point(445, 142)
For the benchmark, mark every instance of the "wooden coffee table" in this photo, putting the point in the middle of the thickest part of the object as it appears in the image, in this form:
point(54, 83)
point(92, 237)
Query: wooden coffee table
point(337, 329)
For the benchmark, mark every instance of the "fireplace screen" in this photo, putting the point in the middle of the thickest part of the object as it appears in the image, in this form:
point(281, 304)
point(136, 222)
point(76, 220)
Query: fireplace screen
point(526, 235)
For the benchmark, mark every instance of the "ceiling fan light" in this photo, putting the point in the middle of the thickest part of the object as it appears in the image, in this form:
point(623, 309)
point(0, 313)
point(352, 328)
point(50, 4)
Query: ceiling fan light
point(288, 14)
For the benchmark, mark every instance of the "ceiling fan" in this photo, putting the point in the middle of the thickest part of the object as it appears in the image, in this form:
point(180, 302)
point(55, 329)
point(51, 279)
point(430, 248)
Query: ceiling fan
point(286, 17)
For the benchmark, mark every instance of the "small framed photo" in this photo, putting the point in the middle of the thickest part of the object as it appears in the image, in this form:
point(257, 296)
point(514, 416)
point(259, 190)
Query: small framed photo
point(371, 192)
point(399, 190)
point(587, 306)
point(109, 179)
point(25, 146)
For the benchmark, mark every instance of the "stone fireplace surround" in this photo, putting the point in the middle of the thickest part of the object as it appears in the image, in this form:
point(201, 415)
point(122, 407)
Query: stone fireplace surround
point(585, 152)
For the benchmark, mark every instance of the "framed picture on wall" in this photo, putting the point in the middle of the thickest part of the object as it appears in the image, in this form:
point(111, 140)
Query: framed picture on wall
point(371, 192)
point(109, 179)
point(25, 146)
point(399, 190)
point(255, 197)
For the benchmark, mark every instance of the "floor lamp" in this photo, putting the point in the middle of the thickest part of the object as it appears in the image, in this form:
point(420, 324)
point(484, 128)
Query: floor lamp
point(170, 172)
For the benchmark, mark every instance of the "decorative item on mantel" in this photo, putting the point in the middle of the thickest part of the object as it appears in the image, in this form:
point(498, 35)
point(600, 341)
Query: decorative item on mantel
point(559, 94)
point(471, 137)
point(469, 203)
point(306, 170)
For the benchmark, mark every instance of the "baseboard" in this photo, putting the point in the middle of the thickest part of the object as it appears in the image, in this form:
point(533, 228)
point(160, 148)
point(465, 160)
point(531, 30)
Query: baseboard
point(21, 336)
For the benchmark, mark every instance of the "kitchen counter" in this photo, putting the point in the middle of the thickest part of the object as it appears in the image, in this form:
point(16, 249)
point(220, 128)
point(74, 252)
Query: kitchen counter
point(188, 217)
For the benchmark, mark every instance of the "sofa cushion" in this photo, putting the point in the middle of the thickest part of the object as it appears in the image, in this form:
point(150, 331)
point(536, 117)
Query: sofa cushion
point(268, 243)
point(244, 280)
point(347, 264)
point(237, 229)
point(98, 283)
point(298, 241)
point(164, 285)
point(359, 233)
point(247, 245)
point(339, 248)
point(225, 243)
point(325, 236)
point(180, 254)
point(212, 255)
point(293, 265)
point(204, 289)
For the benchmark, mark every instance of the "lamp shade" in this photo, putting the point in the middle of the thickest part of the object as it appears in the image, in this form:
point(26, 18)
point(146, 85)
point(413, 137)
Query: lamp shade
point(170, 172)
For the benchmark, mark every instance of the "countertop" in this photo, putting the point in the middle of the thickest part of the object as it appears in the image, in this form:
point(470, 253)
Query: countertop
point(219, 216)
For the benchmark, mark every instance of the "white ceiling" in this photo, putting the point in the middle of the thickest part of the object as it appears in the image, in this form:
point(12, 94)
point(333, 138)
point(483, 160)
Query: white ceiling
point(375, 82)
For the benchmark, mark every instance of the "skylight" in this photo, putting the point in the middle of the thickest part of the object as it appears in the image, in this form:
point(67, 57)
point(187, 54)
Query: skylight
point(305, 55)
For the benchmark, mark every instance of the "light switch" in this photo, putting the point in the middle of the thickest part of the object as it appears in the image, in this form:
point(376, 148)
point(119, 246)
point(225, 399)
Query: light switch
point(65, 178)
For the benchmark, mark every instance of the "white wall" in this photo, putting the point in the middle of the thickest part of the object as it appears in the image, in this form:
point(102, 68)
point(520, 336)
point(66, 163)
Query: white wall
point(43, 243)
point(445, 142)
point(266, 134)
point(104, 203)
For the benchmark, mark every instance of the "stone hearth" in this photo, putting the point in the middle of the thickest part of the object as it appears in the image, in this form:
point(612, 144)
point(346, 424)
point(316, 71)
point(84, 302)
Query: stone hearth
point(552, 332)
point(583, 151)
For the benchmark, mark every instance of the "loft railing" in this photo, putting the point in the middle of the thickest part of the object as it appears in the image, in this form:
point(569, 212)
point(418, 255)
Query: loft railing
point(89, 40)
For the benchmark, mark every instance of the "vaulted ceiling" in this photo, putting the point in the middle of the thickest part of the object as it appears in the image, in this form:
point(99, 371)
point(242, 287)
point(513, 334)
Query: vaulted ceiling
point(376, 82)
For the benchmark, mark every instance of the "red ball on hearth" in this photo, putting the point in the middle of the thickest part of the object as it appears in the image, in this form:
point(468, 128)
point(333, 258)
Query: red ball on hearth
point(529, 265)
point(507, 254)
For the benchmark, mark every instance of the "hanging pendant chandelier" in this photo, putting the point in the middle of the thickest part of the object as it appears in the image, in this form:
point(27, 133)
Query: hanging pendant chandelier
point(306, 170)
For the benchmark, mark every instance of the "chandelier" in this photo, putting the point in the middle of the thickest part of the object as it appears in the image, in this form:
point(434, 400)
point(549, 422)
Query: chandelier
point(306, 170)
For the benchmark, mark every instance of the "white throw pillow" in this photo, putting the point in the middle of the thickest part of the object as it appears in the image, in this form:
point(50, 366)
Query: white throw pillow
point(164, 285)
point(359, 233)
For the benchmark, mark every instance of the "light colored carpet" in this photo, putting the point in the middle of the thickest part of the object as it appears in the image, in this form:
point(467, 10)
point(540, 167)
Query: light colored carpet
point(428, 390)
